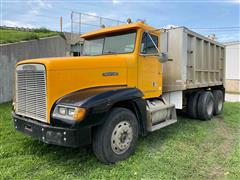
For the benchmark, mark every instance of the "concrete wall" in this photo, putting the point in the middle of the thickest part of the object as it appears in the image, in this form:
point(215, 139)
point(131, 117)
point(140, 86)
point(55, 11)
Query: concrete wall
point(232, 82)
point(75, 42)
point(72, 38)
point(10, 54)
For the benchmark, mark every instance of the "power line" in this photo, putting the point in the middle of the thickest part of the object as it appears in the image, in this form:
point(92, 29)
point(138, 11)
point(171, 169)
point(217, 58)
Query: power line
point(236, 27)
point(215, 29)
point(218, 30)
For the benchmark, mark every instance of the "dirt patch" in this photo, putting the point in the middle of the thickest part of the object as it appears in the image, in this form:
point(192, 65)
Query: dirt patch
point(216, 172)
point(224, 132)
point(225, 148)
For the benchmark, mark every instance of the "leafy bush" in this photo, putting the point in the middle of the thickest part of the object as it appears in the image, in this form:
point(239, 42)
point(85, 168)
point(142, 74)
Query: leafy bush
point(42, 30)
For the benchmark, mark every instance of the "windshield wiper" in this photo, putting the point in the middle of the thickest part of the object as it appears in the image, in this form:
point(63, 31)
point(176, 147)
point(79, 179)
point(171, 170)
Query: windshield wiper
point(110, 52)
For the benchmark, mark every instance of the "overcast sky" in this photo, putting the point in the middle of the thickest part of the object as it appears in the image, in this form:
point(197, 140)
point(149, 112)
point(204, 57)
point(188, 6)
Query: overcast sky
point(214, 15)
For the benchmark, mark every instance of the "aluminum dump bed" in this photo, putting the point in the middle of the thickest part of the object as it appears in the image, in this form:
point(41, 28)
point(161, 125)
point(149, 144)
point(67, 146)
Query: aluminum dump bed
point(194, 61)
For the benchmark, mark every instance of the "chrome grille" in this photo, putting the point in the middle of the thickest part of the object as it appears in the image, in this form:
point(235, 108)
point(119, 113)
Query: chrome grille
point(31, 100)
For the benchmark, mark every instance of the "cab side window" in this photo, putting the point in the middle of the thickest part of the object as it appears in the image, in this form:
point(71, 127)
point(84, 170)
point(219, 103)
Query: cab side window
point(147, 46)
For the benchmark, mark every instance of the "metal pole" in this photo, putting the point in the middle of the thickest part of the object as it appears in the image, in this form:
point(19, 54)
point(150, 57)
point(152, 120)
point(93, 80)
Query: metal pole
point(71, 37)
point(61, 24)
point(100, 21)
point(79, 33)
point(80, 19)
point(71, 25)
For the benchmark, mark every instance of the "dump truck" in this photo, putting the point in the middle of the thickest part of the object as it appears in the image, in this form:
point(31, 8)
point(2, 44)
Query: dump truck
point(128, 82)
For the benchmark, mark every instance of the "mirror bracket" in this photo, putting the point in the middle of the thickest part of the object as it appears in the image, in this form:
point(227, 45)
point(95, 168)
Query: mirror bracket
point(162, 56)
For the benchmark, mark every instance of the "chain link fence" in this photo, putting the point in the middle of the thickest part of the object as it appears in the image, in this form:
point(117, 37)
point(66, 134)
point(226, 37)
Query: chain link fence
point(82, 23)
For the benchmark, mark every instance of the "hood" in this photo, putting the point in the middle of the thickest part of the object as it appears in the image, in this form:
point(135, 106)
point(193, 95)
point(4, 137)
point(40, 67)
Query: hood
point(70, 74)
point(82, 62)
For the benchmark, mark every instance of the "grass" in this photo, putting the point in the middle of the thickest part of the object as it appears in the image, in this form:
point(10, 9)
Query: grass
point(189, 149)
point(11, 36)
point(232, 92)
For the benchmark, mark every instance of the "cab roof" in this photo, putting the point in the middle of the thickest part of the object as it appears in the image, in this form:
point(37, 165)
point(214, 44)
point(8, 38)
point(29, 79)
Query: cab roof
point(119, 28)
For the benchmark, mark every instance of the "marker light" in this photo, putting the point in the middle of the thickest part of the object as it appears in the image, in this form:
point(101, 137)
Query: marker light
point(79, 114)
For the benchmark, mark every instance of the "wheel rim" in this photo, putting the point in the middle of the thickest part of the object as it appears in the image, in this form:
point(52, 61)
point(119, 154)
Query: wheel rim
point(122, 136)
point(220, 105)
point(210, 107)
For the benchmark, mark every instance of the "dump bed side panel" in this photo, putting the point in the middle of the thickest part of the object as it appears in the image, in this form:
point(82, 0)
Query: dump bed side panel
point(195, 61)
point(174, 71)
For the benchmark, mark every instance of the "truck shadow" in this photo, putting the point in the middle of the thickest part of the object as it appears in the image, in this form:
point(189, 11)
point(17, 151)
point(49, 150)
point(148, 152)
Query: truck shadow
point(57, 155)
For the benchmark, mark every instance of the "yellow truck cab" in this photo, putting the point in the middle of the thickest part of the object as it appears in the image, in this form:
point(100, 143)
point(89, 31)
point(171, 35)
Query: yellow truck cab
point(116, 91)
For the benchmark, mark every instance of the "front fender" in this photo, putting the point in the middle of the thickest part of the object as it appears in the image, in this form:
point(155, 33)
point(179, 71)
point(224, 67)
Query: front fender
point(98, 101)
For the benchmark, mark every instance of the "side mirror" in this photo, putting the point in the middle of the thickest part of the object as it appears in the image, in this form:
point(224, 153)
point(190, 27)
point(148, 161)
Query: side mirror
point(162, 57)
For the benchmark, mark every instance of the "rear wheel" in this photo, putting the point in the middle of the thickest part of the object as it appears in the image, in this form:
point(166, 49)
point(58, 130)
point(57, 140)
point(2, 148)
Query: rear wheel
point(192, 105)
point(115, 140)
point(205, 105)
point(218, 101)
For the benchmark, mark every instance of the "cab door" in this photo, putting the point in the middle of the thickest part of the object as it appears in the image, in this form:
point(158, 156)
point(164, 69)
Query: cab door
point(149, 68)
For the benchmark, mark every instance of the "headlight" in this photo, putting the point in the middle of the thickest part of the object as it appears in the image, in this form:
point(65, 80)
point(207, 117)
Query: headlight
point(62, 110)
point(69, 112)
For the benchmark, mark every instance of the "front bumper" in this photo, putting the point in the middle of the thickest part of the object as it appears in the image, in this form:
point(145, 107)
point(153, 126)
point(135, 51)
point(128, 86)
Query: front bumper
point(69, 137)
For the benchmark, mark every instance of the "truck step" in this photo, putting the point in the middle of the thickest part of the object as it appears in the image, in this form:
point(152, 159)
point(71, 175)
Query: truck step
point(162, 124)
point(160, 114)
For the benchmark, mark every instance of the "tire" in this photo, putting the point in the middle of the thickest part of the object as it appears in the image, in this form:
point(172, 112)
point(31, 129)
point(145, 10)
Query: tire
point(218, 101)
point(116, 139)
point(192, 105)
point(205, 105)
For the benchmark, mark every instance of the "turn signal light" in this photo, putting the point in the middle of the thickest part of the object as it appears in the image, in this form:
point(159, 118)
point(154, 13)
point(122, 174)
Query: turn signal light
point(79, 114)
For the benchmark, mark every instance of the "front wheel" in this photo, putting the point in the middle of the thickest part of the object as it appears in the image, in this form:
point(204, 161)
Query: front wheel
point(115, 140)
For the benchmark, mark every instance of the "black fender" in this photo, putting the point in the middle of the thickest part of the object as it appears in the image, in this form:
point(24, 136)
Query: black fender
point(99, 100)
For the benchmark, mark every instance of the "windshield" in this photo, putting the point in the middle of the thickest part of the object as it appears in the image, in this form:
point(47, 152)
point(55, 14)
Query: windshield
point(110, 44)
